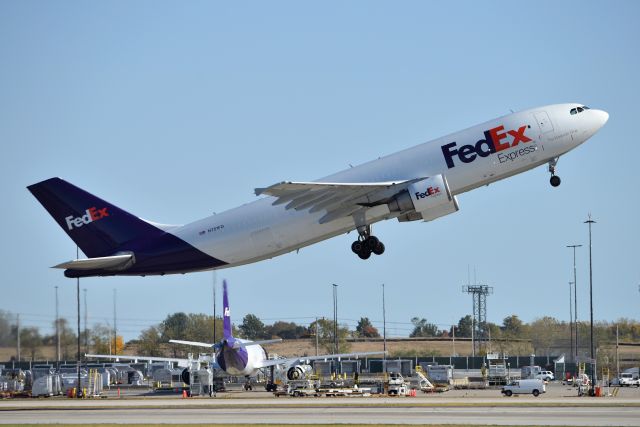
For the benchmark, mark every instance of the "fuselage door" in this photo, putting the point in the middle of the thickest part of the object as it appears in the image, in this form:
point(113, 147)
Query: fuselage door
point(544, 122)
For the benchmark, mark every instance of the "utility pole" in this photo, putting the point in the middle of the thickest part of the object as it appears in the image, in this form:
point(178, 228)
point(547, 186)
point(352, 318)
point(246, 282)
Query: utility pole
point(57, 330)
point(316, 333)
point(86, 336)
point(571, 318)
point(115, 328)
point(593, 353)
point(453, 333)
point(18, 336)
point(617, 355)
point(79, 387)
point(384, 330)
point(215, 340)
point(335, 318)
point(575, 298)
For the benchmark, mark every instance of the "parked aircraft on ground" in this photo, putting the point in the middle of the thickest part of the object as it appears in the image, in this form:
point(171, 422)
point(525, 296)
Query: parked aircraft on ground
point(419, 183)
point(240, 357)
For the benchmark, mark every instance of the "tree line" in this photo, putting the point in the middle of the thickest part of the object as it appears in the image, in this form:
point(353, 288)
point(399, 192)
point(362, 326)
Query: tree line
point(512, 336)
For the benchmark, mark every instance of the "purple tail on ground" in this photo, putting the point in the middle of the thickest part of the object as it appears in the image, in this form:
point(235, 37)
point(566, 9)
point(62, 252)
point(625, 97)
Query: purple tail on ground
point(226, 318)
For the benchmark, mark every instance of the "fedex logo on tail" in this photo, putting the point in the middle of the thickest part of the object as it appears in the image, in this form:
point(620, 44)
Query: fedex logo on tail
point(495, 140)
point(91, 214)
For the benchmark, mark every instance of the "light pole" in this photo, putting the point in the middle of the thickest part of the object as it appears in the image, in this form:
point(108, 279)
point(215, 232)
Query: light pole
point(86, 336)
point(575, 298)
point(79, 388)
point(215, 337)
point(57, 331)
point(115, 327)
point(590, 221)
point(570, 316)
point(384, 331)
point(335, 318)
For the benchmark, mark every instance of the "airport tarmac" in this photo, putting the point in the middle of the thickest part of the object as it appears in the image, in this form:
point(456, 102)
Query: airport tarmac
point(559, 406)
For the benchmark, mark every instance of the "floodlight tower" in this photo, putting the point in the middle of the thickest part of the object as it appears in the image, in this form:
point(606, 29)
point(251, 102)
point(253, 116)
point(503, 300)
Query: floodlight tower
point(479, 294)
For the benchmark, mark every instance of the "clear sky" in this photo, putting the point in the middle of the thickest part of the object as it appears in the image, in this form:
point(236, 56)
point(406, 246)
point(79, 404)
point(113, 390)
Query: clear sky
point(175, 110)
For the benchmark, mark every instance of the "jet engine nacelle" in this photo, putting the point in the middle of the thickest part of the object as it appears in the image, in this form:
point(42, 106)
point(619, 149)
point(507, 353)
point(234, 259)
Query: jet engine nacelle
point(430, 198)
point(186, 376)
point(298, 372)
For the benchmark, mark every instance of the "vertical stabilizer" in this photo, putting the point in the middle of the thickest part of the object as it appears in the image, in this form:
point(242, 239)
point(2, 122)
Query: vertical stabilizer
point(98, 227)
point(226, 317)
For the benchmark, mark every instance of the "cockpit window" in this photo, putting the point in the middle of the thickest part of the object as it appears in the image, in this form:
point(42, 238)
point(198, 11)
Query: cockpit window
point(578, 110)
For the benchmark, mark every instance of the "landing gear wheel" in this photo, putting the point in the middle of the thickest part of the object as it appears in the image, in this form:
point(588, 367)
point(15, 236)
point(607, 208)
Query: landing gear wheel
point(371, 242)
point(554, 180)
point(364, 253)
point(378, 249)
point(366, 243)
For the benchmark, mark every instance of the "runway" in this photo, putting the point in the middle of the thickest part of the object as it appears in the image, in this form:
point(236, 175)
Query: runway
point(318, 414)
point(559, 406)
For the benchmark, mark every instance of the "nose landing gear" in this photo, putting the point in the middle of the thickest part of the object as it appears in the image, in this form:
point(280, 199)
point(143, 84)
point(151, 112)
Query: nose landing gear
point(367, 244)
point(555, 179)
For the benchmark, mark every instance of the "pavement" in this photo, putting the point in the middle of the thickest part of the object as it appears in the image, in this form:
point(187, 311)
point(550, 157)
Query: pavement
point(559, 406)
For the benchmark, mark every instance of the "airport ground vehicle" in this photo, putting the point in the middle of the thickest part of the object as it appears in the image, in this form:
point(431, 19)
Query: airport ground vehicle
point(534, 387)
point(545, 376)
point(627, 380)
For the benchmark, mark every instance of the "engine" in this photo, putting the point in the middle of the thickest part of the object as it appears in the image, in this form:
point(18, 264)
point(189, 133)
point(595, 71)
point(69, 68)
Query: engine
point(299, 372)
point(427, 199)
point(186, 376)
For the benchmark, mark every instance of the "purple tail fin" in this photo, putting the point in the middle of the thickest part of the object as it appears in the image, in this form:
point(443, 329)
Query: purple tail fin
point(96, 226)
point(226, 317)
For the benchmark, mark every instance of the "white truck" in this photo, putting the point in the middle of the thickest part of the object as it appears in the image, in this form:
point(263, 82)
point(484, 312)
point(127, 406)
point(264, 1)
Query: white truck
point(627, 380)
point(534, 387)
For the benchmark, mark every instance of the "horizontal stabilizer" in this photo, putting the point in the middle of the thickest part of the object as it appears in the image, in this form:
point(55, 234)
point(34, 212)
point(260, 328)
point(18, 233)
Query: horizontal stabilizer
point(237, 344)
point(193, 343)
point(116, 262)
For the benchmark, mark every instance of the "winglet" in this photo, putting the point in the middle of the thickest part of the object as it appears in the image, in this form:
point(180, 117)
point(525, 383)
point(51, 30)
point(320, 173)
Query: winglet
point(226, 317)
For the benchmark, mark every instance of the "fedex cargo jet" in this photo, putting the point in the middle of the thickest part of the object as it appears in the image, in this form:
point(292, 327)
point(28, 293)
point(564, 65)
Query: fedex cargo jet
point(417, 184)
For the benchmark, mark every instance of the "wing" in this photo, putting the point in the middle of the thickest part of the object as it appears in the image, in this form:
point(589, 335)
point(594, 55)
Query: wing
point(338, 199)
point(304, 360)
point(116, 262)
point(136, 359)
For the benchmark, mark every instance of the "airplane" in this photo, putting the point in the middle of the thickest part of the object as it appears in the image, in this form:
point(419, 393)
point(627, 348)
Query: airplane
point(241, 357)
point(416, 184)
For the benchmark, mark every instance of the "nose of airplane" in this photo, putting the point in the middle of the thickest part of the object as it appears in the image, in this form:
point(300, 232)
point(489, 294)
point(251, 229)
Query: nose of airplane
point(600, 118)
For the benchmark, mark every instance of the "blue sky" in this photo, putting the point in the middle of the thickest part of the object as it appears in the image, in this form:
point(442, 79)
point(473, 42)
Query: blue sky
point(175, 110)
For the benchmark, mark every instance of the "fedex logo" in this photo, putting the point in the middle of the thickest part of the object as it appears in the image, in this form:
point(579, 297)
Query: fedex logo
point(430, 192)
point(495, 140)
point(91, 214)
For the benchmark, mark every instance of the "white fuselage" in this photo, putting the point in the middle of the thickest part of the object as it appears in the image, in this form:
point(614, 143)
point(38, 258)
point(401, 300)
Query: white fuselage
point(260, 230)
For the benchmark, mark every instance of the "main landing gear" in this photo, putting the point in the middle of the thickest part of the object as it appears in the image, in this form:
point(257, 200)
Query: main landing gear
point(367, 244)
point(555, 179)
